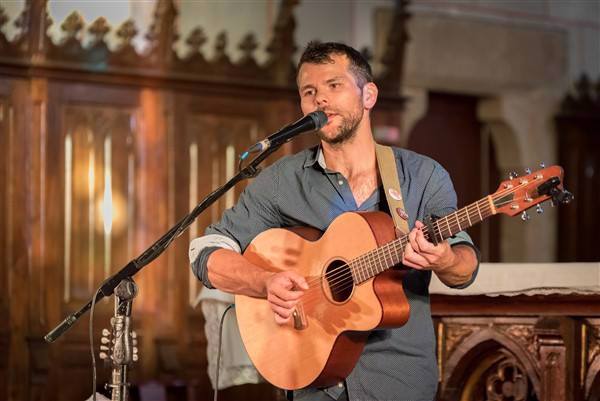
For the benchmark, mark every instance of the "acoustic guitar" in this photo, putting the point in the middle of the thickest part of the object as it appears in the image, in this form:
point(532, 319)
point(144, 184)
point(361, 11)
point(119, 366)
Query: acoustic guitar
point(355, 277)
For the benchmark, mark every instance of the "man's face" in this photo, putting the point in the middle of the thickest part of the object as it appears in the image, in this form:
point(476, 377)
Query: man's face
point(332, 88)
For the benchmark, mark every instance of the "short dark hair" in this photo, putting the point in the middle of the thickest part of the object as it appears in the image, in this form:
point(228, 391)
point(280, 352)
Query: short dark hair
point(320, 53)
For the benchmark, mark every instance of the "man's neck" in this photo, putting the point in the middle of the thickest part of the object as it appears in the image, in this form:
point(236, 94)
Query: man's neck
point(355, 157)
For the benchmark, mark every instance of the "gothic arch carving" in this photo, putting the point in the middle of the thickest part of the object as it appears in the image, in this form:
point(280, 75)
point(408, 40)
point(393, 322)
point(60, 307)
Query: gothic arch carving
point(484, 351)
point(592, 381)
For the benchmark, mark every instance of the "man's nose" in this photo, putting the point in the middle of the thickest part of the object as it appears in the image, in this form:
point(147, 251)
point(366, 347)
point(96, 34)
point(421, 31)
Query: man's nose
point(321, 99)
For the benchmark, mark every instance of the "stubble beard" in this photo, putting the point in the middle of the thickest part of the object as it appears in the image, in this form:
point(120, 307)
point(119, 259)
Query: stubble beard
point(346, 131)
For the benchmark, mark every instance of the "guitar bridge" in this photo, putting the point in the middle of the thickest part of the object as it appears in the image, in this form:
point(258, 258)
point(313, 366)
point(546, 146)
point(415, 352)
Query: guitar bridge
point(300, 322)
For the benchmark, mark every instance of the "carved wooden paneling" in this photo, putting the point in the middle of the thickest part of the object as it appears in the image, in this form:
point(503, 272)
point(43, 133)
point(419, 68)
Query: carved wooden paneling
point(473, 352)
point(488, 354)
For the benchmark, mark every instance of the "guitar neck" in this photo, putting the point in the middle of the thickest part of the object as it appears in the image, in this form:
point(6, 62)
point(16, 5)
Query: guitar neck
point(380, 259)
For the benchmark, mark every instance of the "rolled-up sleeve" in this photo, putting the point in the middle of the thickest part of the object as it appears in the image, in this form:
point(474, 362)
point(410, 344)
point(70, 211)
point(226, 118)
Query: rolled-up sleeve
point(201, 248)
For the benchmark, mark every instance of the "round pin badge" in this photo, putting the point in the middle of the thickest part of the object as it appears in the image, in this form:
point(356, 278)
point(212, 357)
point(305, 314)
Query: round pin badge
point(402, 213)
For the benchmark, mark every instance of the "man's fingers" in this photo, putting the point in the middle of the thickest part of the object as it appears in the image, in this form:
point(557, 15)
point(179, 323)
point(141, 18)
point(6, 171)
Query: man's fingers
point(284, 313)
point(298, 281)
point(284, 303)
point(413, 259)
point(424, 245)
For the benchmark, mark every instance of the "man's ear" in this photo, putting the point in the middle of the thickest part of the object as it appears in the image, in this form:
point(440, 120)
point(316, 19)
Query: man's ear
point(369, 95)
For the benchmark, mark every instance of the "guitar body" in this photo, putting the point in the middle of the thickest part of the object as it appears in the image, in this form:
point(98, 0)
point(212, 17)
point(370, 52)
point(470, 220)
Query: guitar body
point(321, 344)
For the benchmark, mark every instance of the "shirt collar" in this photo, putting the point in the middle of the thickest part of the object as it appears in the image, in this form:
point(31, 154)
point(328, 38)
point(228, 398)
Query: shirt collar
point(315, 156)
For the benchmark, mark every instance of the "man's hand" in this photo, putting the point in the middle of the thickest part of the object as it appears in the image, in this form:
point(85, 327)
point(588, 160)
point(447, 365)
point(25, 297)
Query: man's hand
point(283, 293)
point(421, 254)
point(454, 266)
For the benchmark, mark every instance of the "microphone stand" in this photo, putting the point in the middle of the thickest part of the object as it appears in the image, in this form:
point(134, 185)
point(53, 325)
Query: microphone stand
point(135, 265)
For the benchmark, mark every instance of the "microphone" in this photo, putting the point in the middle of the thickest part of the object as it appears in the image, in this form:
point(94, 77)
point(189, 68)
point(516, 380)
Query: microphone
point(310, 122)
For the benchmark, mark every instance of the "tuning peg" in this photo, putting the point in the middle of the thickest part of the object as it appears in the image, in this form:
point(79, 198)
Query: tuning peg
point(542, 165)
point(539, 209)
point(105, 340)
point(103, 355)
point(135, 357)
point(525, 216)
point(104, 348)
point(105, 332)
point(133, 334)
point(135, 350)
point(528, 171)
point(512, 175)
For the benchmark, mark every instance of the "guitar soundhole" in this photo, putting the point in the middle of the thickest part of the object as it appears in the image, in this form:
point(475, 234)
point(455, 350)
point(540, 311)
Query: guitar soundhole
point(339, 280)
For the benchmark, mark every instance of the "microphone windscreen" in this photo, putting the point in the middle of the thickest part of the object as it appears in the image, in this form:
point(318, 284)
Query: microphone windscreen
point(319, 117)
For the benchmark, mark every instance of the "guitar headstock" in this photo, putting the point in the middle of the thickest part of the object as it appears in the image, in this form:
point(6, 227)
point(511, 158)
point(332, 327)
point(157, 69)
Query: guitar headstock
point(516, 195)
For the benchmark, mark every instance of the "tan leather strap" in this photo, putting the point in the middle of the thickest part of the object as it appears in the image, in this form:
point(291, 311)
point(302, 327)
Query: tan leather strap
point(391, 185)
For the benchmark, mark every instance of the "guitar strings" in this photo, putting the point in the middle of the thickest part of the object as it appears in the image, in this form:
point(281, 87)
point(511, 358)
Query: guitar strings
point(344, 277)
point(371, 256)
point(460, 213)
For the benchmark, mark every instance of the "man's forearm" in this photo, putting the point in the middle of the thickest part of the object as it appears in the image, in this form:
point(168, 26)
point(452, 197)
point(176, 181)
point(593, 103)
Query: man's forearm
point(231, 272)
point(461, 271)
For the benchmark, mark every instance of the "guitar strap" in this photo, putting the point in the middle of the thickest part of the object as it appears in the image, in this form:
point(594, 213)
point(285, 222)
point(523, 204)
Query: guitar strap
point(386, 160)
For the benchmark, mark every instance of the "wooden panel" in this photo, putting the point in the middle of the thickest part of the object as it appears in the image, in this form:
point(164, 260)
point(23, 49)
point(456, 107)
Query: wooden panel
point(90, 158)
point(99, 195)
point(4, 301)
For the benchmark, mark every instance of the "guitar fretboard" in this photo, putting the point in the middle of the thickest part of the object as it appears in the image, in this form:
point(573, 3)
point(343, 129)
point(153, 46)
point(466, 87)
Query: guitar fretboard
point(380, 259)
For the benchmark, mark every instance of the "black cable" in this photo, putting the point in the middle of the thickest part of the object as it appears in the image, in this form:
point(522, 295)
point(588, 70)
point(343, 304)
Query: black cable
point(91, 332)
point(230, 306)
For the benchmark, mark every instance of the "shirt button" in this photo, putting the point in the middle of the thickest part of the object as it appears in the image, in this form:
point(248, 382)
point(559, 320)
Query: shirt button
point(341, 182)
point(340, 384)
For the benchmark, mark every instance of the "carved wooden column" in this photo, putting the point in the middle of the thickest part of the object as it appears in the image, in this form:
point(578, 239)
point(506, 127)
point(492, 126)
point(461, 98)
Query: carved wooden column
point(590, 355)
point(552, 358)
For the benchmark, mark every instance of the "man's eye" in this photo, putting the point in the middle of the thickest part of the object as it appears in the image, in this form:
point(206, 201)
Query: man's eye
point(334, 85)
point(309, 93)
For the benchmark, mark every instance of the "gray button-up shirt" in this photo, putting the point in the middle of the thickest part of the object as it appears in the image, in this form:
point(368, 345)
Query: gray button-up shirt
point(299, 190)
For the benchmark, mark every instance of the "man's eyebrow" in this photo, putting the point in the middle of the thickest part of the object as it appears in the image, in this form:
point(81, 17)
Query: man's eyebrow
point(336, 78)
point(302, 88)
point(330, 80)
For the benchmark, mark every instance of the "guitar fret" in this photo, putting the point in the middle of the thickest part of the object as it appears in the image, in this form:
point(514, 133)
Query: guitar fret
point(363, 265)
point(368, 265)
point(468, 217)
point(436, 227)
point(382, 260)
point(457, 221)
point(353, 271)
point(479, 211)
point(448, 225)
point(391, 256)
